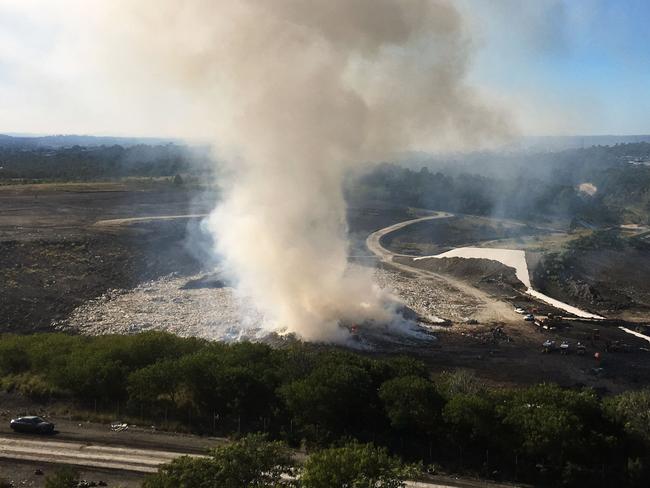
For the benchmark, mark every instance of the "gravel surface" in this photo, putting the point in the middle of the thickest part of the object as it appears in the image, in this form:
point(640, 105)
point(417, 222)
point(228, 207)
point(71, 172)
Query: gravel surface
point(434, 300)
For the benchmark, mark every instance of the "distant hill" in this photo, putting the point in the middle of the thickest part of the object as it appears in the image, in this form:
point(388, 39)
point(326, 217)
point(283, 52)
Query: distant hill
point(68, 158)
point(558, 143)
point(59, 141)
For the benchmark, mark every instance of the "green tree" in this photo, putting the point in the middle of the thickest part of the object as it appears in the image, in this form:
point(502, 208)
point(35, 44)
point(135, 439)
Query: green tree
point(353, 466)
point(238, 380)
point(632, 409)
point(471, 419)
point(334, 399)
point(252, 462)
point(158, 382)
point(556, 424)
point(411, 403)
point(13, 356)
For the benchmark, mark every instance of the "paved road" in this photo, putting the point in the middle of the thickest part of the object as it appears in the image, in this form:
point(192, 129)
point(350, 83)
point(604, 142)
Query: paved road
point(124, 459)
point(84, 454)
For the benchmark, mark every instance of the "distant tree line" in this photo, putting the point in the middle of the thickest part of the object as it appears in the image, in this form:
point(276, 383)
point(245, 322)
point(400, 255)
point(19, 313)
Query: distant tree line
point(521, 185)
point(78, 163)
point(535, 186)
point(568, 166)
point(317, 396)
point(520, 197)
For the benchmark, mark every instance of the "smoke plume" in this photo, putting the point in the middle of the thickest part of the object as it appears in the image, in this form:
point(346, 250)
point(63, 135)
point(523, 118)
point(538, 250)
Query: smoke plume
point(296, 93)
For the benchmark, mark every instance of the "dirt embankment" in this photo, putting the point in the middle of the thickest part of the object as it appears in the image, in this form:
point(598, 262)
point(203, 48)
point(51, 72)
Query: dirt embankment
point(611, 281)
point(480, 272)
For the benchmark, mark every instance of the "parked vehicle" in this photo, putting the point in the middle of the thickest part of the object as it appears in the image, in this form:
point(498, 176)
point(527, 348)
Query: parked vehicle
point(548, 346)
point(32, 425)
point(564, 347)
point(530, 317)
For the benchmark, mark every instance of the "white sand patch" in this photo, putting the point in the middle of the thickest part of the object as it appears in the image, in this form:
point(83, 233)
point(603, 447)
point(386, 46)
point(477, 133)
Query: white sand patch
point(510, 257)
point(516, 259)
point(635, 333)
point(563, 306)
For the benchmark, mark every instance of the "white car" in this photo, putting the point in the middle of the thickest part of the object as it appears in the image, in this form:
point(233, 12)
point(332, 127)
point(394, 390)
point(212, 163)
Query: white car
point(520, 310)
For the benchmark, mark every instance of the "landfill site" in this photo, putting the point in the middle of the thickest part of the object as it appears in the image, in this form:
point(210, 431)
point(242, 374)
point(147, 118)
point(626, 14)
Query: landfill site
point(128, 269)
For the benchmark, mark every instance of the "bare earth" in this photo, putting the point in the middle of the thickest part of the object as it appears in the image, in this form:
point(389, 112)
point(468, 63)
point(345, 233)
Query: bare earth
point(483, 307)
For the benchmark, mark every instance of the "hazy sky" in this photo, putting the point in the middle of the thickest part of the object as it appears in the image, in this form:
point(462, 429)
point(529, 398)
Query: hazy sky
point(559, 67)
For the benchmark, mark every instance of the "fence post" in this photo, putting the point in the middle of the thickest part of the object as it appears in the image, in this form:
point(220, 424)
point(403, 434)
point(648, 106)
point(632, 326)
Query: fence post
point(516, 465)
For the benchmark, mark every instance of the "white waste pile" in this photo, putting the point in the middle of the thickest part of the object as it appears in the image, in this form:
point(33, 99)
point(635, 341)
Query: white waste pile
point(220, 314)
point(163, 305)
point(430, 298)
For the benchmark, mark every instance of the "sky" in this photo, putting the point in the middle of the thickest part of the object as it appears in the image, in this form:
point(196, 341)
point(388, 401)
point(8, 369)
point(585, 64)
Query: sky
point(573, 67)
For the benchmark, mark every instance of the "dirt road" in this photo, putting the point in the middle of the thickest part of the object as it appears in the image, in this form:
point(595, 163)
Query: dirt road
point(489, 310)
point(139, 220)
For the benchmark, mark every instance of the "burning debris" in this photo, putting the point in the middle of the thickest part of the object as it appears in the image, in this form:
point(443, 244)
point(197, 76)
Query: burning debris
point(434, 301)
point(294, 99)
point(203, 306)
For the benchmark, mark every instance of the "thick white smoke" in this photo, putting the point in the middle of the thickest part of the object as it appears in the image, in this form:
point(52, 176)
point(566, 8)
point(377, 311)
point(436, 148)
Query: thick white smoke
point(296, 93)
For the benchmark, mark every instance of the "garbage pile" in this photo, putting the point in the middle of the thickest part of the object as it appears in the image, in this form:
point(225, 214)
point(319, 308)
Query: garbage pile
point(168, 305)
point(194, 306)
point(430, 299)
point(494, 335)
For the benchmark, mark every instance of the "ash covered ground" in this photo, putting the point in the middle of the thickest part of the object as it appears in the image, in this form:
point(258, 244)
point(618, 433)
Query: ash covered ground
point(61, 270)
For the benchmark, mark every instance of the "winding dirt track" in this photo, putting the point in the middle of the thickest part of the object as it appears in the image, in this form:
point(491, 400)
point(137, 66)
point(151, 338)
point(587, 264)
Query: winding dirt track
point(492, 310)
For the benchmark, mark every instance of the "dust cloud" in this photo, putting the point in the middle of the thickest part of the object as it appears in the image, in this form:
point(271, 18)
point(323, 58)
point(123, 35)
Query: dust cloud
point(295, 94)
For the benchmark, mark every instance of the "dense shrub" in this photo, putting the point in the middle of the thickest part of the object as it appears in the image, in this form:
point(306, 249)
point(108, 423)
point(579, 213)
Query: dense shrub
point(251, 462)
point(353, 465)
point(319, 395)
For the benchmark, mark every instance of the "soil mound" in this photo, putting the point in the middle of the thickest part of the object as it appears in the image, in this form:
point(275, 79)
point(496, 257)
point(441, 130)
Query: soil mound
point(471, 269)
